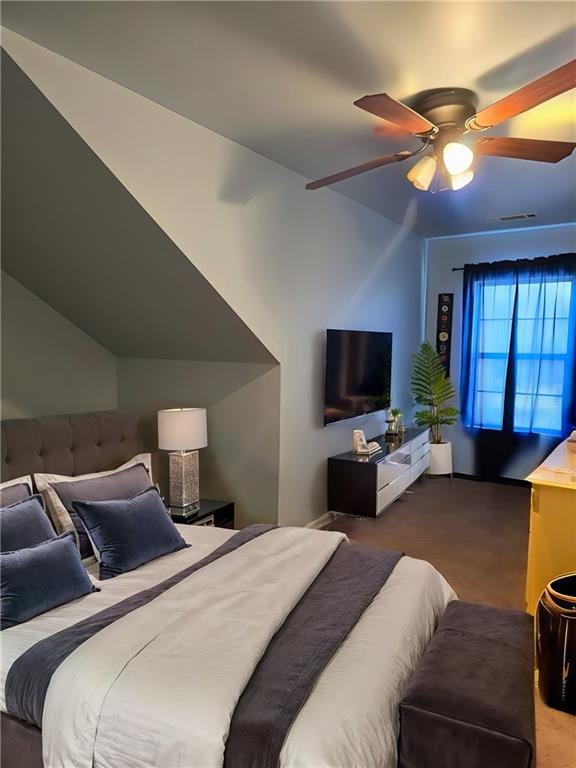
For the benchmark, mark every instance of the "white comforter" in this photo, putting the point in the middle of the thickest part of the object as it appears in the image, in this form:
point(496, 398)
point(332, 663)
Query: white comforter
point(158, 687)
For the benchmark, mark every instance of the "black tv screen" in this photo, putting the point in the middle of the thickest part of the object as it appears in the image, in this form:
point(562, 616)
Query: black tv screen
point(358, 373)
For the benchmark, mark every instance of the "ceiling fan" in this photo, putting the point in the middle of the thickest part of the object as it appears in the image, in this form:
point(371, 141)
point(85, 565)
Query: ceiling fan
point(442, 118)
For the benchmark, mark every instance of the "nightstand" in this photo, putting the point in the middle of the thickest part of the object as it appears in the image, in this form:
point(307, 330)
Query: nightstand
point(210, 512)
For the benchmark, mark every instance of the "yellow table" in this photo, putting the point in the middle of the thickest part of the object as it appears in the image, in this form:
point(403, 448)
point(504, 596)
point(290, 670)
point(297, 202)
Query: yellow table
point(552, 543)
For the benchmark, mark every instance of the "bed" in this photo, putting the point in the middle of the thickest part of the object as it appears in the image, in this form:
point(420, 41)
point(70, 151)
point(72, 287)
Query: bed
point(173, 681)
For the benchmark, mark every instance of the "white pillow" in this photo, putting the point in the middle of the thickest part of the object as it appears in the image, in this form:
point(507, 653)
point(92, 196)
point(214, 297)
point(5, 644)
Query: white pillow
point(58, 512)
point(18, 481)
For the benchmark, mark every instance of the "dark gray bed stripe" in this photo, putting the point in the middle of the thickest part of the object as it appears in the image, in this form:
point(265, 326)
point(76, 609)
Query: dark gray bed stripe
point(29, 676)
point(300, 650)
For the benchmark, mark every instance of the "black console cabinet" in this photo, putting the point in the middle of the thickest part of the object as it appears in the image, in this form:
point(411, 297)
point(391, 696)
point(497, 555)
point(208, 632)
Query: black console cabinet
point(365, 485)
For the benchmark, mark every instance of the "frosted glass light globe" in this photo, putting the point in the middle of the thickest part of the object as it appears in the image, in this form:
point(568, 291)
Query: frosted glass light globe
point(460, 180)
point(457, 157)
point(422, 173)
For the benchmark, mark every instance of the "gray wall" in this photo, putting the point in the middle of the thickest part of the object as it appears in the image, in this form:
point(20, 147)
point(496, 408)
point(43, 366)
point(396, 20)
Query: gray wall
point(289, 263)
point(242, 401)
point(101, 261)
point(446, 253)
point(49, 366)
point(73, 235)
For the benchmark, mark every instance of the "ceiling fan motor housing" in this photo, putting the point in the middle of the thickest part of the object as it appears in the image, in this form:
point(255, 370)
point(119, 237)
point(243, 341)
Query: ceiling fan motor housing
point(447, 108)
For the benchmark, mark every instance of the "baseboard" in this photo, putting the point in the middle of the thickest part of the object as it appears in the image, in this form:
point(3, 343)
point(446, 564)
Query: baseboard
point(320, 522)
point(499, 480)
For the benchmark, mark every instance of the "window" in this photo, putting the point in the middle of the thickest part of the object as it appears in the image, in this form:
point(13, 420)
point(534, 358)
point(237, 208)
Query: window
point(519, 345)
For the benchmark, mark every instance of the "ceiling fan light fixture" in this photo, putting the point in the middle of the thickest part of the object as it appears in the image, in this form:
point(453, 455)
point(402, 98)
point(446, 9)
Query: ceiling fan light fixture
point(422, 173)
point(457, 157)
point(459, 180)
point(442, 116)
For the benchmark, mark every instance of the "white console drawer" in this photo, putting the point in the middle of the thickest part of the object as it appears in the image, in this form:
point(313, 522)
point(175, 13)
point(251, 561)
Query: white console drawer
point(419, 441)
point(420, 466)
point(419, 453)
point(394, 489)
point(390, 469)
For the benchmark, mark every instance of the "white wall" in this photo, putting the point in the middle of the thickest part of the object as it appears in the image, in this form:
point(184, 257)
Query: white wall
point(289, 262)
point(49, 366)
point(446, 253)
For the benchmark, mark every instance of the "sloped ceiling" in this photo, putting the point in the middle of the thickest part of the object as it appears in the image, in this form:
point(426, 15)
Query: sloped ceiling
point(73, 235)
point(280, 78)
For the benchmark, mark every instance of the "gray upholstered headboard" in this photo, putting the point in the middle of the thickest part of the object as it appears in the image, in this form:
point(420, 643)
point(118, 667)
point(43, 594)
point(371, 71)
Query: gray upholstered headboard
point(69, 445)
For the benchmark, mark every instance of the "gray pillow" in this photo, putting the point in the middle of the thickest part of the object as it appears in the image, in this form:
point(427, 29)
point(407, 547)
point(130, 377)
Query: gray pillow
point(123, 484)
point(15, 490)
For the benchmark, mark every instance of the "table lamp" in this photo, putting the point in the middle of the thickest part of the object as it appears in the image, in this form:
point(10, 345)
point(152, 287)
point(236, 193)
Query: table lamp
point(182, 431)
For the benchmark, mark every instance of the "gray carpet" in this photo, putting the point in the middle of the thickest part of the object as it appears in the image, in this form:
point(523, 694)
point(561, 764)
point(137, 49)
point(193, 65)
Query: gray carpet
point(476, 535)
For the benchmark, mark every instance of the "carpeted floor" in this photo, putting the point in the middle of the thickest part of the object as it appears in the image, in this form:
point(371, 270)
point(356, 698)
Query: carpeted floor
point(476, 534)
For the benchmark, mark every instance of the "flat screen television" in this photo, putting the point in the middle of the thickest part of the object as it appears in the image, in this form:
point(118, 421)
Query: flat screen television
point(358, 373)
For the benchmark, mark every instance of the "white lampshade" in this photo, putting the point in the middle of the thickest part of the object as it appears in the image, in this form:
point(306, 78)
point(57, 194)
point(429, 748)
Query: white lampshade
point(182, 429)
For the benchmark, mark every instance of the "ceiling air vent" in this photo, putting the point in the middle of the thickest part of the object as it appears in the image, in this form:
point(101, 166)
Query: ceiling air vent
point(513, 217)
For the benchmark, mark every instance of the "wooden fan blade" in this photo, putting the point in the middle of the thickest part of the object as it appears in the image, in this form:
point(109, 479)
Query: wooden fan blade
point(525, 98)
point(369, 166)
point(384, 106)
point(526, 149)
point(391, 130)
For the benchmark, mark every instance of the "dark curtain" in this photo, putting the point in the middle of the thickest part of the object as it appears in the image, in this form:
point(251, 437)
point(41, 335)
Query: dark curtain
point(518, 387)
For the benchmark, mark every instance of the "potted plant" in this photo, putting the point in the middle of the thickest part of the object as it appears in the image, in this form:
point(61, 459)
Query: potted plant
point(393, 421)
point(432, 388)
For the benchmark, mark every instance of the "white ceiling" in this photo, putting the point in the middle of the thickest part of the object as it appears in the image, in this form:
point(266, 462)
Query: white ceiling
point(280, 78)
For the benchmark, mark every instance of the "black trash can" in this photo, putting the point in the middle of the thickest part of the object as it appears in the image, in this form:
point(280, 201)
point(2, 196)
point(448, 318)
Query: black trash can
point(556, 643)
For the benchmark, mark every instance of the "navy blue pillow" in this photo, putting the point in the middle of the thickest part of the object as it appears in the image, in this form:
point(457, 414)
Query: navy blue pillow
point(24, 524)
point(129, 533)
point(39, 578)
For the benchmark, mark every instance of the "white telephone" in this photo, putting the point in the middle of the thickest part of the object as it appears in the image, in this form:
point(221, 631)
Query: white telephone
point(361, 447)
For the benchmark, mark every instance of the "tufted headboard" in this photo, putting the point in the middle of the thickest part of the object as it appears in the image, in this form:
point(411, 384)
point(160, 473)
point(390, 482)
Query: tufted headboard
point(69, 445)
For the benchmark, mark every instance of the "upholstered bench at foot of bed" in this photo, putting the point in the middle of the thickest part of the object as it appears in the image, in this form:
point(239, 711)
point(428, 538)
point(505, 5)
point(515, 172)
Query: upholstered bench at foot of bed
point(20, 744)
point(470, 703)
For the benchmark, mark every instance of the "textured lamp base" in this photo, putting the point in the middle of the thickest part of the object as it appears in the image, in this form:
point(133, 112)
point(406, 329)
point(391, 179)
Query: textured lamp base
point(184, 478)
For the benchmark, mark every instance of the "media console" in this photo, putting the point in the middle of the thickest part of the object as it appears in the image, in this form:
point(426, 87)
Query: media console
point(366, 485)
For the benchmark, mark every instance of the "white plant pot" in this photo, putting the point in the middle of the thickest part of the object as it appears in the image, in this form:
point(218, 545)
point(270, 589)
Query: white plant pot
point(440, 459)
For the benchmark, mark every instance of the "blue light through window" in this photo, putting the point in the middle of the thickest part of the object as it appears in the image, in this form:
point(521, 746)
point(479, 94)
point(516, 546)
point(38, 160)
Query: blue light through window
point(518, 350)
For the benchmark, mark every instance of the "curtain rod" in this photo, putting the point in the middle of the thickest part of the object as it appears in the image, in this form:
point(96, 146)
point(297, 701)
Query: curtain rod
point(535, 259)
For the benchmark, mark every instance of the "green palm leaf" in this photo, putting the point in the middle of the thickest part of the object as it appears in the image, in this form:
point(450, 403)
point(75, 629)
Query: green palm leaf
point(431, 387)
